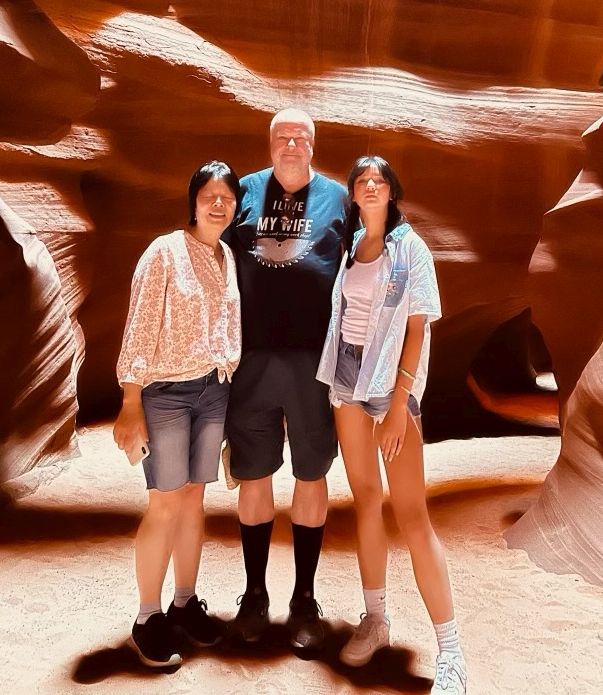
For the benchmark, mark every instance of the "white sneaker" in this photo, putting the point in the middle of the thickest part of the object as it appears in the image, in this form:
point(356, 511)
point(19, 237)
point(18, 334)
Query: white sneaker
point(371, 635)
point(451, 675)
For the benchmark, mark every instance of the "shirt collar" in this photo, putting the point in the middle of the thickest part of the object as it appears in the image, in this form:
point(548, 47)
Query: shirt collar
point(395, 235)
point(398, 232)
point(197, 243)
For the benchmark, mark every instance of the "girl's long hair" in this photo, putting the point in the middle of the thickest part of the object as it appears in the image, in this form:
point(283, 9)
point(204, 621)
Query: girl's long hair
point(394, 215)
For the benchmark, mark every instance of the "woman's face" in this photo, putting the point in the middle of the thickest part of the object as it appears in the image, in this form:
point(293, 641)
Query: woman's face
point(216, 205)
point(371, 190)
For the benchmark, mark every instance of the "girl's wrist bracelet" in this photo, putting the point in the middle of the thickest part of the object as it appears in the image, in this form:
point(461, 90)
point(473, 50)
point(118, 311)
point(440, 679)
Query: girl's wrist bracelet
point(401, 370)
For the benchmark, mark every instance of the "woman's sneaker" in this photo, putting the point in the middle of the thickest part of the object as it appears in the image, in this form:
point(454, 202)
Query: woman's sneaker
point(194, 622)
point(371, 635)
point(155, 643)
point(451, 675)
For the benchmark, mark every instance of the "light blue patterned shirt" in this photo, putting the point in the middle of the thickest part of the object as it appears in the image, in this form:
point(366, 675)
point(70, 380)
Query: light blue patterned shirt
point(406, 285)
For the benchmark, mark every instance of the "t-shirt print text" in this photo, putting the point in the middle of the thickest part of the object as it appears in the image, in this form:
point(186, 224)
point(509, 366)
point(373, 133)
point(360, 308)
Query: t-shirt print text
point(286, 222)
point(283, 238)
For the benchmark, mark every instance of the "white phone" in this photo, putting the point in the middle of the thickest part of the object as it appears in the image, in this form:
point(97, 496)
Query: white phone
point(138, 451)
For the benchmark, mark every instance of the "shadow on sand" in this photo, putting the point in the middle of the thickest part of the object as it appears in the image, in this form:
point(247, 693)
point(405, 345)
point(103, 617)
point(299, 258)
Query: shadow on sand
point(53, 524)
point(24, 522)
point(390, 668)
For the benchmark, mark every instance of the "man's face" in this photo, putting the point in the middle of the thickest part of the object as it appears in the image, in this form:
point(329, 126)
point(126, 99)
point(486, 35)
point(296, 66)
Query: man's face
point(291, 146)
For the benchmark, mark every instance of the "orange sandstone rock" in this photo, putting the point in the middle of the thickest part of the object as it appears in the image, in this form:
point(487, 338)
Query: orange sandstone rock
point(563, 530)
point(111, 106)
point(38, 404)
point(565, 276)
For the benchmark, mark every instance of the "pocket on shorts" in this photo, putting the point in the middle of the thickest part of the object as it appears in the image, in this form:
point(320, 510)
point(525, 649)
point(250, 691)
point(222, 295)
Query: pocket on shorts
point(214, 400)
point(398, 280)
point(346, 371)
point(413, 406)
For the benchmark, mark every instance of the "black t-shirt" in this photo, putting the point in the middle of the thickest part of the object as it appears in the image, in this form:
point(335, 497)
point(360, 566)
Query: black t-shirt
point(288, 249)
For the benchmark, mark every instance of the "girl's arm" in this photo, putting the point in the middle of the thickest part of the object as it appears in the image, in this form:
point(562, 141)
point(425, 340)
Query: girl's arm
point(391, 432)
point(409, 360)
point(424, 305)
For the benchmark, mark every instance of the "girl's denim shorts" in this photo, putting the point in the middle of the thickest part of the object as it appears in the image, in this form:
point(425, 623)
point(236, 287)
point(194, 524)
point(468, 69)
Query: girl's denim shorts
point(349, 361)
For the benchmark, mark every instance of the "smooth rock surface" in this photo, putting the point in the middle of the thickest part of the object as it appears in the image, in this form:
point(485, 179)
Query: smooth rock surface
point(563, 531)
point(38, 404)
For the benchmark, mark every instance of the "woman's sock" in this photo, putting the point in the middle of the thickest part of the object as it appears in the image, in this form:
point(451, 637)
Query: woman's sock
point(146, 611)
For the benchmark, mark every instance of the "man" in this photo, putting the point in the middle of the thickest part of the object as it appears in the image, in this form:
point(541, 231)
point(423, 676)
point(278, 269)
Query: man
point(288, 245)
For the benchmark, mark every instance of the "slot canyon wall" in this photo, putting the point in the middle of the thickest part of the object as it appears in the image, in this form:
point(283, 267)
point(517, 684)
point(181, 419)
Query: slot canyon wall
point(107, 108)
point(564, 529)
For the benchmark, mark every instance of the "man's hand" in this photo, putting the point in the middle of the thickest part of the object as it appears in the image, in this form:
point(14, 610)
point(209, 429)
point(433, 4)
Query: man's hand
point(391, 432)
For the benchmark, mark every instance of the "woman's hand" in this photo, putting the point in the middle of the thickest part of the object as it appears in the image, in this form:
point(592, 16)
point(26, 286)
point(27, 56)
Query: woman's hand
point(391, 432)
point(130, 425)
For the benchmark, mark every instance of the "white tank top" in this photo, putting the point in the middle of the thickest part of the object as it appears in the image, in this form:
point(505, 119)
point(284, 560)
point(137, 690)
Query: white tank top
point(358, 289)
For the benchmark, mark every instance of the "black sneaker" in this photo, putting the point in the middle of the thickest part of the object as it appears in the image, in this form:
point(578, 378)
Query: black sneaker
point(304, 623)
point(155, 643)
point(252, 619)
point(195, 623)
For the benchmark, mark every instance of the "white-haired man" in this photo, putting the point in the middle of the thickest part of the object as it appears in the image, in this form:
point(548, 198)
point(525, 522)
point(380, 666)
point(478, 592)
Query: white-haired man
point(287, 241)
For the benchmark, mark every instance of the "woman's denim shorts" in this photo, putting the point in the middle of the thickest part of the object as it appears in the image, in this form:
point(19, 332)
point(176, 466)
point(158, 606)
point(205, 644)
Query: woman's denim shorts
point(349, 361)
point(185, 423)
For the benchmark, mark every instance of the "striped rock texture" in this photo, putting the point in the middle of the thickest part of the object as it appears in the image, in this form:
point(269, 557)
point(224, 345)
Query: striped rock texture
point(563, 531)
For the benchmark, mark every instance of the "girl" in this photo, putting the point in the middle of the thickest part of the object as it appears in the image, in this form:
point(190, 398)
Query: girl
point(181, 344)
point(375, 362)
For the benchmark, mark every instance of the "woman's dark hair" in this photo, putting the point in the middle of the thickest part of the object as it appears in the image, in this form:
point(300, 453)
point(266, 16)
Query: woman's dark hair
point(394, 215)
point(207, 171)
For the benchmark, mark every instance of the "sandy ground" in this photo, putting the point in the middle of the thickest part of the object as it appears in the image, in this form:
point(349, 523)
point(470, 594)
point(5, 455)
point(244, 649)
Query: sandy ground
point(68, 594)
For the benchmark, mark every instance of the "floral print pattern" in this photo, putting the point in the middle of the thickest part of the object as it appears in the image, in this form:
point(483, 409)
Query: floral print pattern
point(184, 318)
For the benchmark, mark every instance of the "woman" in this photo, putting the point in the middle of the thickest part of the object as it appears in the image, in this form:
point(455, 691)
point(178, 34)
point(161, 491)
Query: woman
point(375, 362)
point(181, 344)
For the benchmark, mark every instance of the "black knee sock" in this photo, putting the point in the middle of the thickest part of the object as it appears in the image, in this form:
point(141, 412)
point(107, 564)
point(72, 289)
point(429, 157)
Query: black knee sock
point(307, 542)
point(256, 544)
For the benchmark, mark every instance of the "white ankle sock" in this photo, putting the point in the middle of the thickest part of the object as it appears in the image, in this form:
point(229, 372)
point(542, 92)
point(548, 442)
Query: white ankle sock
point(146, 611)
point(447, 635)
point(182, 595)
point(374, 600)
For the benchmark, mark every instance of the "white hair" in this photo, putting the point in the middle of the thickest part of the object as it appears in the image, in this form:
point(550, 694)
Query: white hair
point(293, 115)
